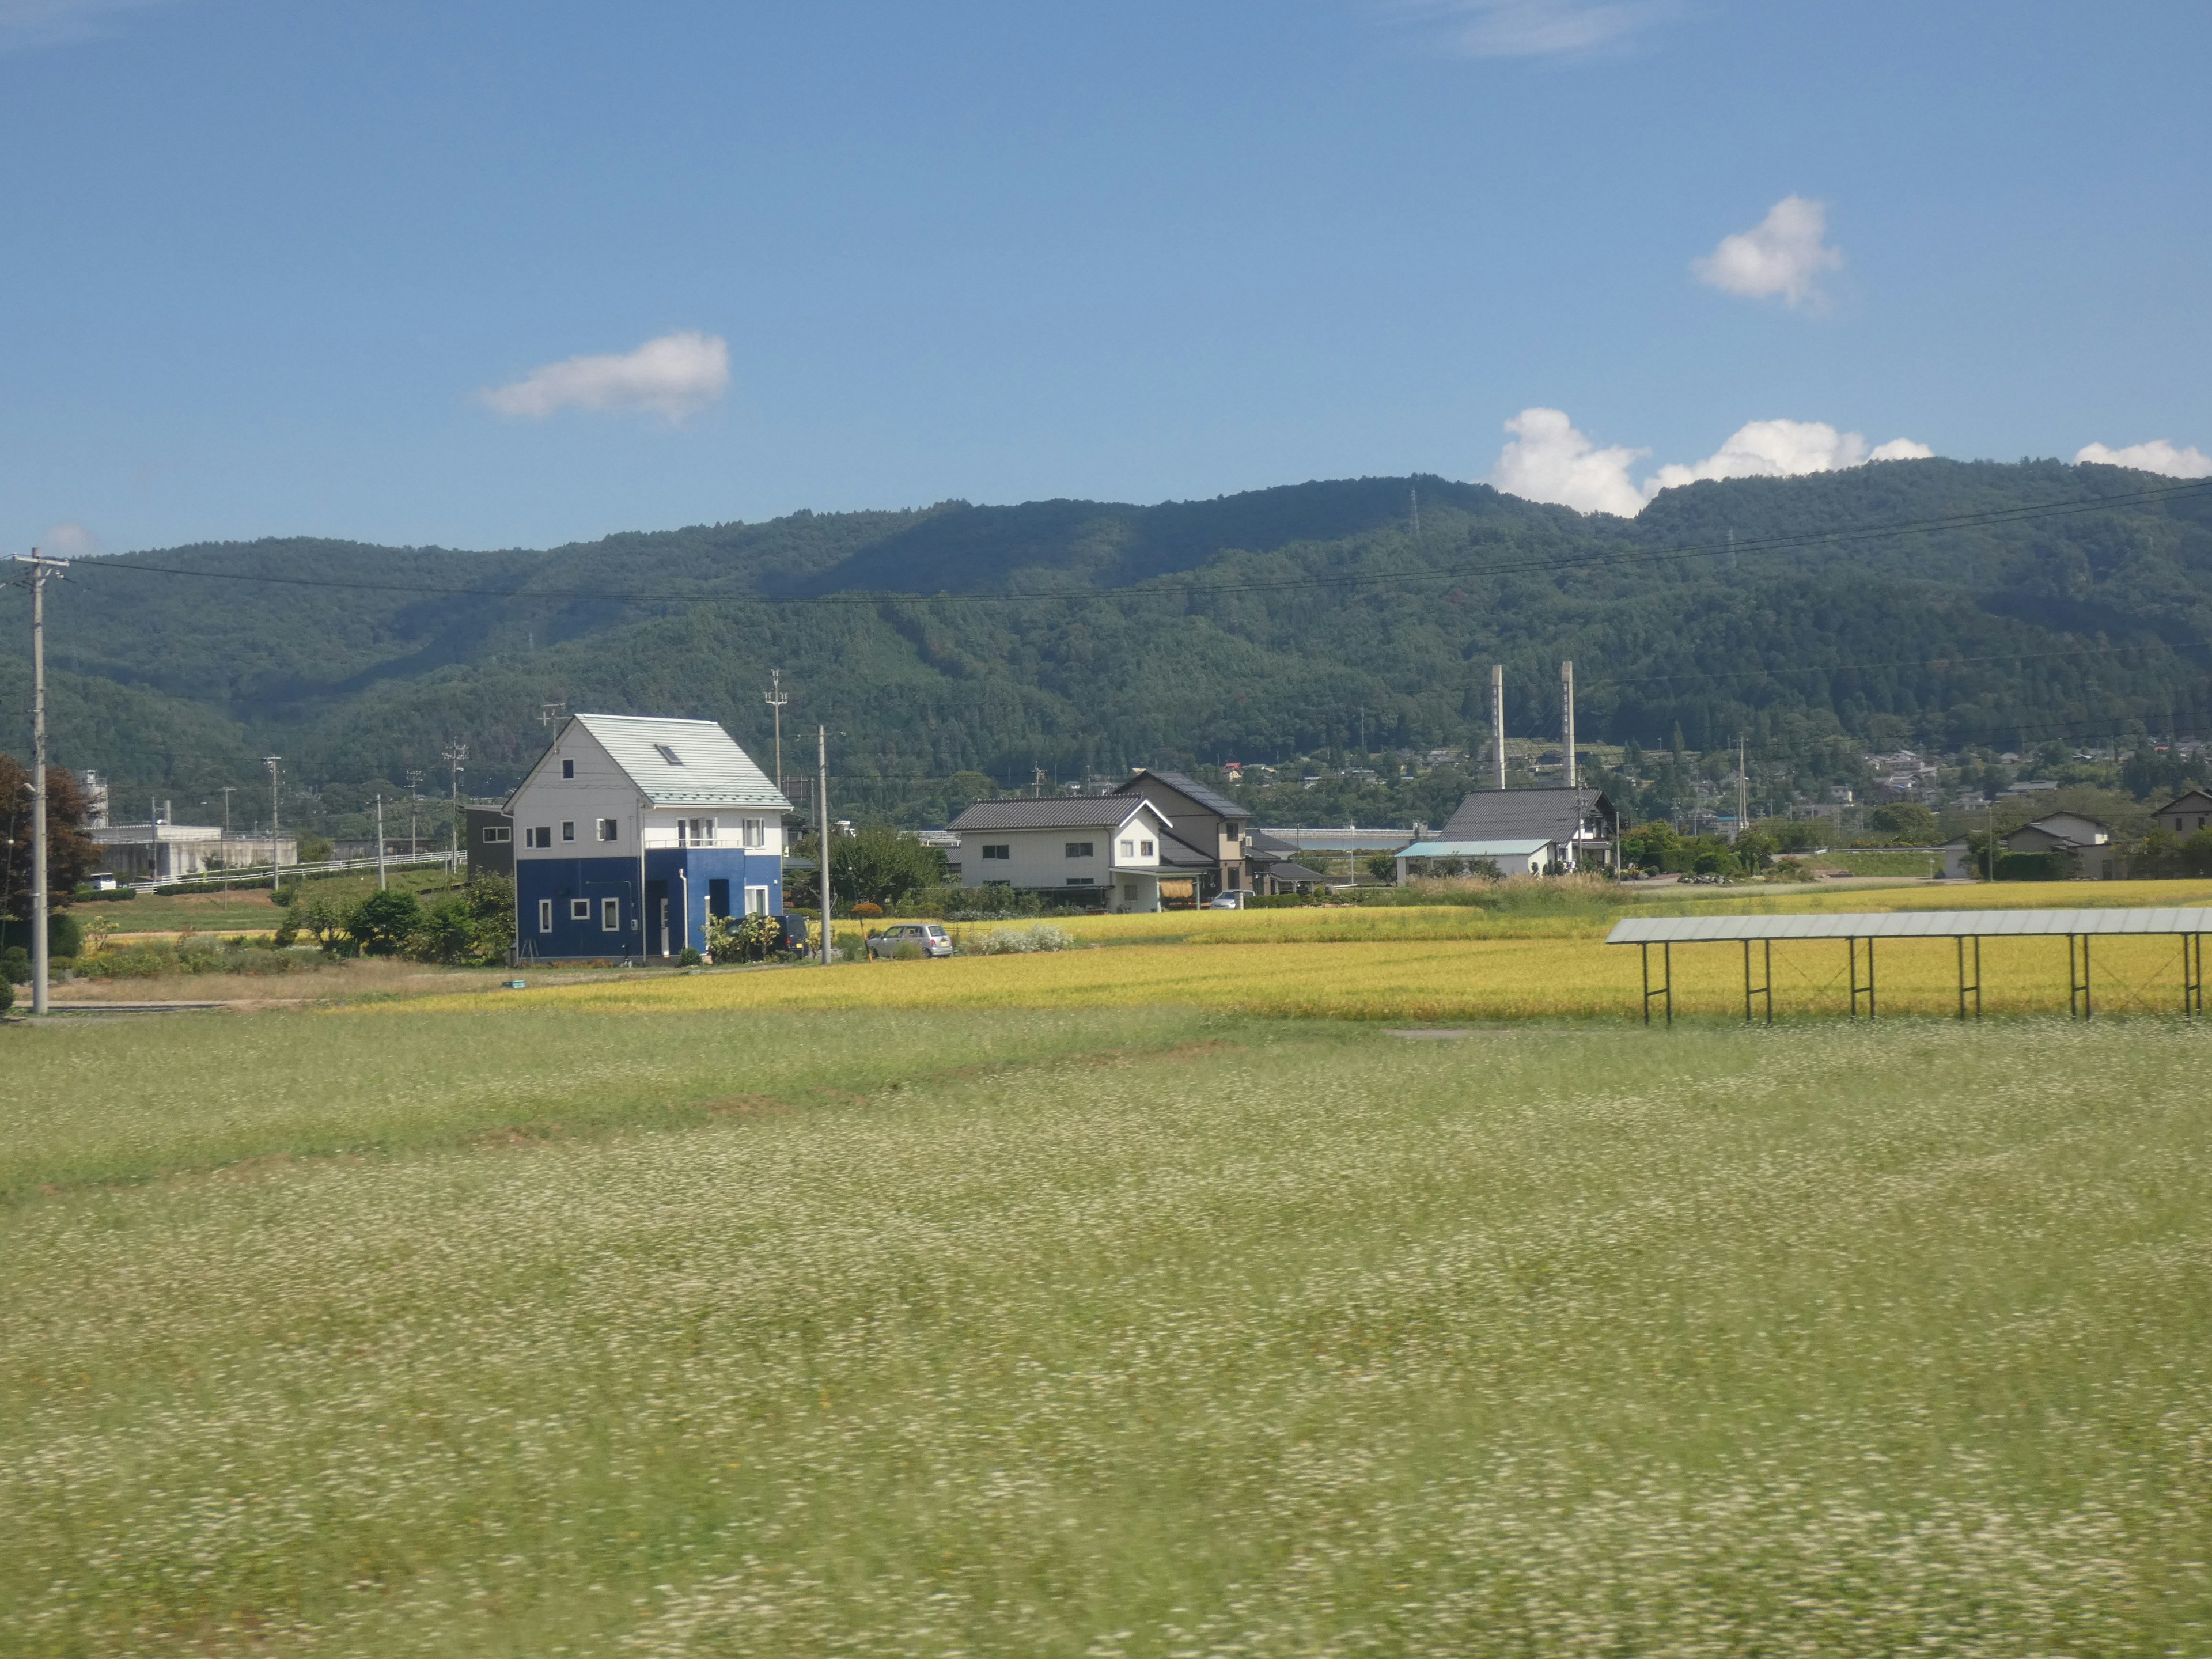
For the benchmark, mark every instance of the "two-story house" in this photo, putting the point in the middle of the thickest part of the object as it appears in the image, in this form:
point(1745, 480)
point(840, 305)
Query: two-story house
point(1580, 826)
point(1108, 852)
point(1207, 829)
point(630, 831)
point(2185, 814)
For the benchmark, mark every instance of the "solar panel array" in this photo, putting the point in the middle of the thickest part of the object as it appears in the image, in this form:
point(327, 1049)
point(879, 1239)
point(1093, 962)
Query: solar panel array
point(1911, 924)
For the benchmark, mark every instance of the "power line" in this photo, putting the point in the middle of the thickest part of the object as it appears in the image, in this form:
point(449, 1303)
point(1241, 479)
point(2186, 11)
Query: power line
point(1352, 579)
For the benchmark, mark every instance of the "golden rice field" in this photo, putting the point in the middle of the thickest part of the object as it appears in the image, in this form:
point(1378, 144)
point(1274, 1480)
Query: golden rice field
point(1410, 978)
point(1100, 1335)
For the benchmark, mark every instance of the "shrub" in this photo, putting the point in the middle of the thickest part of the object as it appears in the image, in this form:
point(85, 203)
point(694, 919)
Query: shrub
point(690, 959)
point(969, 903)
point(381, 924)
point(745, 938)
point(1020, 941)
point(446, 933)
point(88, 893)
point(15, 965)
point(7, 996)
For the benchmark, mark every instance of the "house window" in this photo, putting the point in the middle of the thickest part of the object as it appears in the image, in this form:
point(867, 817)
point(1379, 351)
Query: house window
point(952, 868)
point(1145, 849)
point(668, 753)
point(539, 835)
point(607, 828)
point(580, 909)
point(694, 832)
point(1128, 849)
point(497, 834)
point(1003, 852)
point(1129, 892)
point(1082, 881)
point(756, 901)
point(611, 915)
point(568, 829)
point(568, 768)
point(545, 915)
point(752, 832)
point(1081, 849)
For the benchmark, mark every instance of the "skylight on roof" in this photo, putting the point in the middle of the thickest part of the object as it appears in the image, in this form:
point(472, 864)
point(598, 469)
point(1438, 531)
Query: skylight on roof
point(669, 754)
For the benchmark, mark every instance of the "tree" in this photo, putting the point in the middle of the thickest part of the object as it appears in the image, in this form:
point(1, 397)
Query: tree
point(1905, 821)
point(882, 867)
point(71, 855)
point(382, 923)
point(446, 933)
point(1649, 845)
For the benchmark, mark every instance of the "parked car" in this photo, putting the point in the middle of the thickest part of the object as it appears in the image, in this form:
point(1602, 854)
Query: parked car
point(1232, 900)
point(927, 936)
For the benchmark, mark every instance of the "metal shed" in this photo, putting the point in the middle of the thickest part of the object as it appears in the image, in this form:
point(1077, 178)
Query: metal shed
point(2077, 928)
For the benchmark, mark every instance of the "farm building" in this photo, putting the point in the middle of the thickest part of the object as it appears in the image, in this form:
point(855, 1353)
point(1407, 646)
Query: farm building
point(1580, 826)
point(631, 831)
point(1109, 851)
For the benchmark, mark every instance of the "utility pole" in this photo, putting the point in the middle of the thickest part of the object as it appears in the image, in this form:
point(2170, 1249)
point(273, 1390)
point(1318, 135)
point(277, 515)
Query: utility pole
point(1742, 786)
point(1567, 716)
point(414, 807)
point(1497, 719)
point(1413, 490)
point(380, 882)
point(822, 831)
point(275, 874)
point(42, 571)
point(456, 752)
point(777, 697)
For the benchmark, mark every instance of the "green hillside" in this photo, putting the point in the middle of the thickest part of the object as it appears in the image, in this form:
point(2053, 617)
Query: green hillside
point(2044, 601)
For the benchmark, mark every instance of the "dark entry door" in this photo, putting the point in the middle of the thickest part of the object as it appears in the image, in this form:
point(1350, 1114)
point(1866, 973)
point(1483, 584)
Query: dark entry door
point(717, 897)
point(656, 917)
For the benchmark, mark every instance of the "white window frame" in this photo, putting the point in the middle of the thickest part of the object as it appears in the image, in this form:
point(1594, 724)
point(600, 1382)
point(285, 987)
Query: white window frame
point(539, 837)
point(545, 915)
point(580, 909)
point(497, 834)
point(611, 915)
point(1083, 850)
point(756, 901)
point(568, 829)
point(1128, 848)
point(568, 768)
point(696, 832)
point(1145, 849)
point(1004, 850)
point(752, 832)
point(607, 828)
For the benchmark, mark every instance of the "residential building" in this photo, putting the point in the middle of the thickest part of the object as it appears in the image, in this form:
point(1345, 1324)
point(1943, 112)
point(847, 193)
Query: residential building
point(2185, 814)
point(491, 840)
point(2088, 842)
point(1205, 825)
point(634, 830)
point(1108, 852)
point(1512, 857)
point(1582, 823)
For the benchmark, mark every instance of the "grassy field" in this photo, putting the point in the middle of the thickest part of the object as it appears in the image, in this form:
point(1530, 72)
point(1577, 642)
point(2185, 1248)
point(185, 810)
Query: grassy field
point(710, 1330)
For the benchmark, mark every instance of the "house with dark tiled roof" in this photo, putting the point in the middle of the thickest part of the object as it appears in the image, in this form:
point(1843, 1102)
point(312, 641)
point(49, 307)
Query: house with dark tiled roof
point(1110, 852)
point(1207, 829)
point(1580, 826)
point(2185, 814)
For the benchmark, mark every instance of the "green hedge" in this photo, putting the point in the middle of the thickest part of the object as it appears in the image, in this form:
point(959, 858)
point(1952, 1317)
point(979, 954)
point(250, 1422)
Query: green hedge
point(64, 935)
point(242, 884)
point(104, 896)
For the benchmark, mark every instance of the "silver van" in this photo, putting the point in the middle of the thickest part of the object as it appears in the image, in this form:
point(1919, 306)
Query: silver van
point(927, 936)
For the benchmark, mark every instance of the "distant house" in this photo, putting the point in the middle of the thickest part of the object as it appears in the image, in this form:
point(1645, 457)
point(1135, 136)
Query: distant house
point(634, 832)
point(1580, 824)
point(2185, 814)
point(161, 850)
point(2087, 842)
point(1110, 852)
point(1512, 857)
point(491, 841)
point(1203, 824)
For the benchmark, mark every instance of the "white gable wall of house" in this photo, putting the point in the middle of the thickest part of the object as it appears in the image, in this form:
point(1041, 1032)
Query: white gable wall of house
point(1122, 861)
point(573, 795)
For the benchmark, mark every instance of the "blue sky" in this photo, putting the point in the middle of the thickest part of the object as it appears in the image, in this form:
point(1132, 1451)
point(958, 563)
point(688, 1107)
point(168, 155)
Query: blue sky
point(265, 262)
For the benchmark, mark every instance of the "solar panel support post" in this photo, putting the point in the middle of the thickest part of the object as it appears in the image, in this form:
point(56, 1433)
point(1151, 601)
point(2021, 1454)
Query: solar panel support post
point(1964, 988)
point(1858, 990)
point(2078, 1004)
point(2192, 977)
point(1666, 990)
point(1765, 990)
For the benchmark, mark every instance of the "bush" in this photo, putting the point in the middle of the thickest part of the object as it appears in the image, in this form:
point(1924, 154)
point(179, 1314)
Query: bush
point(64, 935)
point(447, 934)
point(7, 996)
point(971, 904)
point(745, 938)
point(381, 924)
point(1020, 941)
point(15, 965)
point(690, 959)
point(109, 896)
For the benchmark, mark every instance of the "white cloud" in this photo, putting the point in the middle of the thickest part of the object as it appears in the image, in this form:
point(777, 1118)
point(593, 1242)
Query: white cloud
point(2158, 455)
point(674, 376)
point(1784, 449)
point(1547, 460)
point(69, 540)
point(1543, 28)
point(56, 22)
point(1783, 255)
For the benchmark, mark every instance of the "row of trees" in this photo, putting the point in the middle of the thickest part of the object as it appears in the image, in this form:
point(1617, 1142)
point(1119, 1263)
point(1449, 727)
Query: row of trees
point(476, 926)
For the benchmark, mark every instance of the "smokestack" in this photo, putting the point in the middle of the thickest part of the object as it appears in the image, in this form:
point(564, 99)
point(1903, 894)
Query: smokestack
point(1567, 714)
point(1498, 721)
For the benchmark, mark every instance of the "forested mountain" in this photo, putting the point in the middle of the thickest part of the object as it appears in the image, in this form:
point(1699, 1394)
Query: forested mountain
point(2030, 601)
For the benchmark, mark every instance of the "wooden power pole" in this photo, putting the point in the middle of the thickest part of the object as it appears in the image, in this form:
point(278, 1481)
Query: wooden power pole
point(822, 833)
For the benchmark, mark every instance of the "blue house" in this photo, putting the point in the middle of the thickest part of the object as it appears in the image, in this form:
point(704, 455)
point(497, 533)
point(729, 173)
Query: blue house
point(630, 832)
